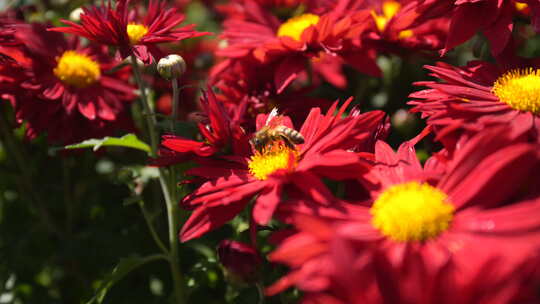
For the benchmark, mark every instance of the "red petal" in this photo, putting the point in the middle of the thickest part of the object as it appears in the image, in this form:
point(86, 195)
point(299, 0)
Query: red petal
point(467, 20)
point(494, 179)
point(287, 71)
point(313, 187)
point(266, 204)
point(87, 109)
point(205, 219)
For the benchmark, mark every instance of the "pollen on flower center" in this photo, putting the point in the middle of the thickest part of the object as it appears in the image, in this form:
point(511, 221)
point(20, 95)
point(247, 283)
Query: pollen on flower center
point(295, 26)
point(519, 89)
point(76, 69)
point(412, 211)
point(135, 32)
point(389, 9)
point(520, 6)
point(275, 157)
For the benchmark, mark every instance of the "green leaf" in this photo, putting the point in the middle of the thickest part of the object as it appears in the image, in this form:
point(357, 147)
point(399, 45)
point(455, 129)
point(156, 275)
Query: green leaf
point(128, 140)
point(123, 268)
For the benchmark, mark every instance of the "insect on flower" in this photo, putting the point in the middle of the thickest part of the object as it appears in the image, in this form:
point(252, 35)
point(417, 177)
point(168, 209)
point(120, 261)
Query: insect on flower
point(274, 131)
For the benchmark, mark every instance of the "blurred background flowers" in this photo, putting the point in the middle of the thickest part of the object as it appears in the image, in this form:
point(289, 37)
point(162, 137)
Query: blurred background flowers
point(269, 151)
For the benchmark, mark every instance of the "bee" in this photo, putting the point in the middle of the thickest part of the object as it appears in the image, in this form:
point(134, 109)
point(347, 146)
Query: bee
point(274, 131)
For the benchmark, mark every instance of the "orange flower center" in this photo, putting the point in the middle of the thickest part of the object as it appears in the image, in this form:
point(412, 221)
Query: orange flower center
point(294, 27)
point(412, 211)
point(519, 89)
point(135, 32)
point(76, 69)
point(274, 157)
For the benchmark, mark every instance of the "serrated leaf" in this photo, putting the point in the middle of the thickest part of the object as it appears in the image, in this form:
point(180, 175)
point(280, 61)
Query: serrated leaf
point(128, 141)
point(124, 267)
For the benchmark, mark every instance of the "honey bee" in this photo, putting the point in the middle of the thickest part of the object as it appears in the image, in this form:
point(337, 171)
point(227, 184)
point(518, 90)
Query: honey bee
point(274, 131)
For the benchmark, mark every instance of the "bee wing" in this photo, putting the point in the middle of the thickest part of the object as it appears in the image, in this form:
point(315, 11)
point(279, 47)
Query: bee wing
point(273, 114)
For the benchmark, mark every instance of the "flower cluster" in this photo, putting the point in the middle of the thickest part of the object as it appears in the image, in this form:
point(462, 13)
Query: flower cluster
point(130, 32)
point(60, 86)
point(275, 146)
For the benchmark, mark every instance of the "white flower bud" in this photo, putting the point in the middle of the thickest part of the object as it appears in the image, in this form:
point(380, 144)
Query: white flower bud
point(171, 66)
point(402, 118)
point(75, 14)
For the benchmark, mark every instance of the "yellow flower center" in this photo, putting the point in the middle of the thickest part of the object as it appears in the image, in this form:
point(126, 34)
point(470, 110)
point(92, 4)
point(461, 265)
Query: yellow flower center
point(274, 157)
point(135, 32)
point(295, 26)
point(412, 212)
point(405, 34)
point(78, 70)
point(519, 89)
point(389, 9)
point(520, 6)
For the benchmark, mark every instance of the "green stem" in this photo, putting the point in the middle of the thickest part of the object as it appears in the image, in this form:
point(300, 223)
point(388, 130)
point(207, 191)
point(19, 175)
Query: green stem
point(172, 209)
point(174, 102)
point(153, 232)
point(148, 113)
point(172, 213)
point(260, 290)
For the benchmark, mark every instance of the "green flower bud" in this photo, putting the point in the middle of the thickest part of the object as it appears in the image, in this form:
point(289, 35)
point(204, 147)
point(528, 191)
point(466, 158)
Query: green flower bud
point(171, 66)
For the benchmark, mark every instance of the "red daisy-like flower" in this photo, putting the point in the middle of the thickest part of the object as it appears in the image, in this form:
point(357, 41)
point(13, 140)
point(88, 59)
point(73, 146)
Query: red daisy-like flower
point(494, 18)
point(65, 90)
point(275, 163)
point(466, 230)
point(219, 128)
point(478, 95)
point(243, 85)
point(132, 34)
point(287, 48)
point(392, 28)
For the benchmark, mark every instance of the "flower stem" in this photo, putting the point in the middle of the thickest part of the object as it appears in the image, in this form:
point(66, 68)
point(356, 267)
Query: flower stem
point(148, 113)
point(172, 215)
point(168, 193)
point(260, 290)
point(174, 102)
point(153, 232)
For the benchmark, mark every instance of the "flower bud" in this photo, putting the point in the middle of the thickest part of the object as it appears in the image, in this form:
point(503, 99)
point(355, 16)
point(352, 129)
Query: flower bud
point(241, 261)
point(171, 66)
point(75, 14)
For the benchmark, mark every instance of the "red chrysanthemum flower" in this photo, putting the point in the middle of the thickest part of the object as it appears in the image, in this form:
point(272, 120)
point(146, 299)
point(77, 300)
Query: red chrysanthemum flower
point(289, 47)
point(494, 18)
point(465, 230)
point(133, 35)
point(243, 85)
point(219, 128)
point(478, 95)
point(65, 90)
point(235, 180)
point(392, 30)
point(236, 9)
